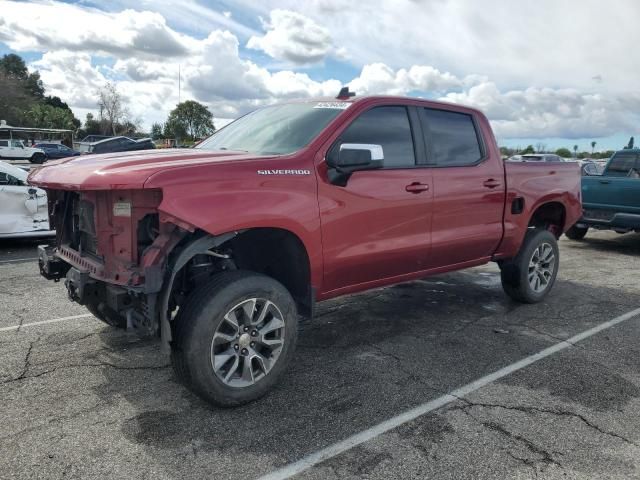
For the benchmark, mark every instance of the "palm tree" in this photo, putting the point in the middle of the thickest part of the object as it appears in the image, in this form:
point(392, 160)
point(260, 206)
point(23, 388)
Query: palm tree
point(593, 146)
point(575, 150)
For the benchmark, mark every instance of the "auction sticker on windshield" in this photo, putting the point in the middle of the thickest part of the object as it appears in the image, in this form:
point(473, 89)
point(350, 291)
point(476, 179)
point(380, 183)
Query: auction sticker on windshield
point(338, 105)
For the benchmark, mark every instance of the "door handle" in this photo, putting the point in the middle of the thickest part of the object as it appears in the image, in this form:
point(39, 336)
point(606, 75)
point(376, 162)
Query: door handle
point(417, 187)
point(491, 183)
point(605, 182)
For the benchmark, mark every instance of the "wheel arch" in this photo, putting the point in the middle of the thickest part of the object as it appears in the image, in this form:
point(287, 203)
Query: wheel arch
point(275, 252)
point(280, 254)
point(550, 215)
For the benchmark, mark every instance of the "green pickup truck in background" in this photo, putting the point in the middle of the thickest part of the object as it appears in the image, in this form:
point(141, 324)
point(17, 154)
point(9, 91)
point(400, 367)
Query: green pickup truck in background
point(611, 201)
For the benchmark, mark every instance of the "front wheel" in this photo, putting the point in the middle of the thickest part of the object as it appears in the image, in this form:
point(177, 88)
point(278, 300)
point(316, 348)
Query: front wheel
point(234, 337)
point(529, 277)
point(576, 233)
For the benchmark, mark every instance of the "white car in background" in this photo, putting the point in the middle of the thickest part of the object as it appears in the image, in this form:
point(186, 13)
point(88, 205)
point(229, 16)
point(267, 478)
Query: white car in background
point(23, 208)
point(12, 149)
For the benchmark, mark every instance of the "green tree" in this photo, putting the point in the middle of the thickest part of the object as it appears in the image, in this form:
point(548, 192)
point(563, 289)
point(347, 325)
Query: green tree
point(23, 101)
point(156, 131)
point(173, 129)
point(42, 115)
point(15, 100)
point(506, 151)
point(14, 67)
point(593, 146)
point(563, 152)
point(528, 150)
point(58, 103)
point(575, 150)
point(189, 119)
point(93, 126)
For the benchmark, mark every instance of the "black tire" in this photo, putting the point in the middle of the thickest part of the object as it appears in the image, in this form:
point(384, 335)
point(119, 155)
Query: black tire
point(107, 315)
point(198, 321)
point(576, 233)
point(38, 158)
point(515, 273)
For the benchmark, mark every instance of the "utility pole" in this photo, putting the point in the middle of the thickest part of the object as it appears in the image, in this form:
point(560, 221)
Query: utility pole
point(178, 83)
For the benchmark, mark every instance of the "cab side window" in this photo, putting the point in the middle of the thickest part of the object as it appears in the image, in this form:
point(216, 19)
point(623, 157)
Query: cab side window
point(452, 138)
point(624, 165)
point(385, 126)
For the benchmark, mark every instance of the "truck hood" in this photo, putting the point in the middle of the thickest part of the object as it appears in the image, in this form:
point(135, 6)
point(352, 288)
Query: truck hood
point(124, 170)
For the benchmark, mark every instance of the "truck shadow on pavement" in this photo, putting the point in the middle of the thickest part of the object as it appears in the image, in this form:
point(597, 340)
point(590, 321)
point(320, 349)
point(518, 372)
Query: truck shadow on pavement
point(362, 360)
point(627, 244)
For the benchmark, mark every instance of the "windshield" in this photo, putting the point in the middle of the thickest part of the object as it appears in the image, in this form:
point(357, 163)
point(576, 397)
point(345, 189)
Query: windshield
point(275, 130)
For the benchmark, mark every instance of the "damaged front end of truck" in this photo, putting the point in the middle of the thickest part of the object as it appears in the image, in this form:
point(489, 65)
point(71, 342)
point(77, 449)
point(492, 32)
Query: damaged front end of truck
point(124, 260)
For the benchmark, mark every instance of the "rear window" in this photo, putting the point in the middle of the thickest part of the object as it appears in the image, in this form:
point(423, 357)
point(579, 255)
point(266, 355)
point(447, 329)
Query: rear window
point(452, 138)
point(4, 143)
point(623, 165)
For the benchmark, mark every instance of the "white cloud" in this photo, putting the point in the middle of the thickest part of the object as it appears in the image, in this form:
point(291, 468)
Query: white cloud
point(379, 78)
point(547, 112)
point(560, 44)
point(293, 37)
point(70, 76)
point(532, 75)
point(60, 26)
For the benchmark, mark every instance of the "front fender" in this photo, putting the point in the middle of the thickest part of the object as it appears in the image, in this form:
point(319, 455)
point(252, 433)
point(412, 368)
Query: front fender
point(235, 197)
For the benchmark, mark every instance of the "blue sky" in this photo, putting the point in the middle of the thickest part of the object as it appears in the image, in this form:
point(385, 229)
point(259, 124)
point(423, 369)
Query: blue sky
point(540, 78)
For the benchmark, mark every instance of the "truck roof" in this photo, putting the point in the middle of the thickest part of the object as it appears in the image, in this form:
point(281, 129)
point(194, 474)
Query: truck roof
point(400, 98)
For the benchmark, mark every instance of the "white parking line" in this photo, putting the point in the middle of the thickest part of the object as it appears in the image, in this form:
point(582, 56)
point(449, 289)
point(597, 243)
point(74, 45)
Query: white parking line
point(359, 438)
point(44, 322)
point(18, 260)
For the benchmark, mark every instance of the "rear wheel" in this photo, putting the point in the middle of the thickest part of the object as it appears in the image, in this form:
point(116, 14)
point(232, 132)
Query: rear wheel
point(38, 158)
point(576, 233)
point(234, 337)
point(529, 277)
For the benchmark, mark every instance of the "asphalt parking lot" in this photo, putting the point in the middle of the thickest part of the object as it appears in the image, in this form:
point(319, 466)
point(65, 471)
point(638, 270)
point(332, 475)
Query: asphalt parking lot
point(82, 400)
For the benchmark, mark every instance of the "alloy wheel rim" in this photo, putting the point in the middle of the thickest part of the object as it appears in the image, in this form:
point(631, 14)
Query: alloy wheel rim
point(248, 342)
point(541, 267)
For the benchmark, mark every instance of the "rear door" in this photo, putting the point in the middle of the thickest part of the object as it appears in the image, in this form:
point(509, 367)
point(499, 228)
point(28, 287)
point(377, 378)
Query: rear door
point(63, 151)
point(618, 188)
point(469, 189)
point(377, 225)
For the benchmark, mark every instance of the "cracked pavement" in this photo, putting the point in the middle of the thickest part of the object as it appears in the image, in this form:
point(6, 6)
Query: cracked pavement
point(83, 400)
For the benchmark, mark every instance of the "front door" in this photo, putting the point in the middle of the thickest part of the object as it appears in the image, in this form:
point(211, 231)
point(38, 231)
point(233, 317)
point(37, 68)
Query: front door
point(377, 226)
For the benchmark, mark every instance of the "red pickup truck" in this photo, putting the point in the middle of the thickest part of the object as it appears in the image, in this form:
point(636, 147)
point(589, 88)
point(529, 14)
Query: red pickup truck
point(218, 249)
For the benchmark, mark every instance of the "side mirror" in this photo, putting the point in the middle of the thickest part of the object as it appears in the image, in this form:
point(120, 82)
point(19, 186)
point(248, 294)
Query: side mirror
point(352, 157)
